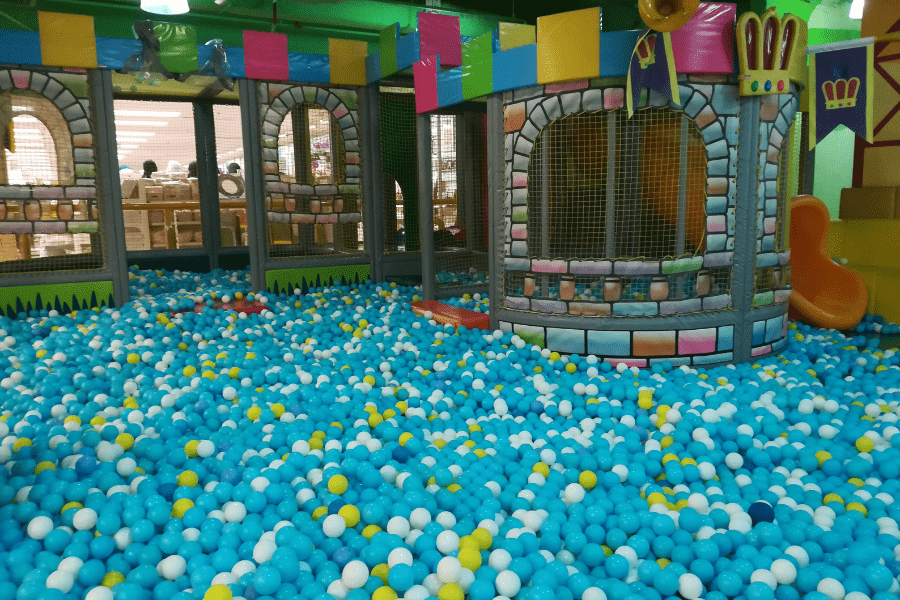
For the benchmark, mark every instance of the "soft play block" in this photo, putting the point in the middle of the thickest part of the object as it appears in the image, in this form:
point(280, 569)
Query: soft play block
point(449, 87)
point(236, 62)
point(425, 77)
point(347, 61)
point(476, 68)
point(113, 53)
point(439, 35)
point(705, 44)
point(388, 49)
point(516, 35)
point(177, 47)
point(516, 68)
point(868, 203)
point(20, 47)
point(615, 51)
point(568, 46)
point(309, 68)
point(451, 315)
point(407, 50)
point(373, 67)
point(266, 56)
point(67, 40)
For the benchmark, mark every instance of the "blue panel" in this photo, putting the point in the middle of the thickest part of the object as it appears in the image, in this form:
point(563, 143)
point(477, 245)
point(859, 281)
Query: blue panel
point(20, 47)
point(516, 68)
point(204, 53)
point(615, 52)
point(495, 38)
point(309, 68)
point(407, 50)
point(726, 338)
point(112, 53)
point(449, 87)
point(373, 67)
point(759, 333)
point(566, 340)
point(236, 62)
point(713, 358)
point(773, 329)
point(609, 343)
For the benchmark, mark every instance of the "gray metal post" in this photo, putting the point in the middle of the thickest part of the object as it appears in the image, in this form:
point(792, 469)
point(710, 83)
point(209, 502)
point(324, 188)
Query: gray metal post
point(207, 171)
point(496, 183)
point(257, 242)
point(545, 207)
point(112, 221)
point(426, 205)
point(373, 197)
point(611, 124)
point(743, 271)
point(682, 189)
point(465, 174)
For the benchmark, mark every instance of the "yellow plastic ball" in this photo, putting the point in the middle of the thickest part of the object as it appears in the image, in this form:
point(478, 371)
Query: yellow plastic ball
point(865, 444)
point(385, 593)
point(126, 440)
point(134, 358)
point(75, 505)
point(554, 356)
point(375, 420)
point(588, 480)
point(191, 448)
point(450, 591)
point(253, 413)
point(541, 468)
point(470, 559)
point(234, 372)
point(337, 484)
point(278, 409)
point(44, 466)
point(404, 438)
point(218, 592)
point(181, 506)
point(21, 443)
point(483, 537)
point(350, 514)
point(369, 379)
point(111, 579)
point(189, 371)
point(381, 572)
point(370, 530)
point(188, 478)
point(645, 399)
point(571, 368)
point(857, 506)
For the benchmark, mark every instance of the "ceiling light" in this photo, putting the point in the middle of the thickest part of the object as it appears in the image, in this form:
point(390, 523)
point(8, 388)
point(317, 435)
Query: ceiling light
point(143, 123)
point(856, 9)
point(145, 113)
point(165, 7)
point(119, 134)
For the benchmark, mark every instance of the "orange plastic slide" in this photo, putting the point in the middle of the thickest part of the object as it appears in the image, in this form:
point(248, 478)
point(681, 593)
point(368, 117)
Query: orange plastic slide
point(824, 294)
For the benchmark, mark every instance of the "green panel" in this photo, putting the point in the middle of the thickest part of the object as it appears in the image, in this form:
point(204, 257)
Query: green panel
point(177, 47)
point(682, 265)
point(532, 337)
point(388, 49)
point(287, 280)
point(64, 297)
point(477, 59)
point(834, 168)
point(75, 82)
point(763, 299)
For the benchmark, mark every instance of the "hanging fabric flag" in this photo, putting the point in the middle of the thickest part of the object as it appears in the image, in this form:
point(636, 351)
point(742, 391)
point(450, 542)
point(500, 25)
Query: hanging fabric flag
point(652, 66)
point(840, 79)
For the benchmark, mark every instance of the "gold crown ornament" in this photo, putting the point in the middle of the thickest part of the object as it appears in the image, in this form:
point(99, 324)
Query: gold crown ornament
point(766, 51)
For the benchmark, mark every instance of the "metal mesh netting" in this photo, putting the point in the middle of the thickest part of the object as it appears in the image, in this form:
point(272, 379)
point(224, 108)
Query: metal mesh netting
point(231, 184)
point(160, 193)
point(399, 175)
point(788, 181)
point(319, 215)
point(458, 170)
point(49, 217)
point(587, 166)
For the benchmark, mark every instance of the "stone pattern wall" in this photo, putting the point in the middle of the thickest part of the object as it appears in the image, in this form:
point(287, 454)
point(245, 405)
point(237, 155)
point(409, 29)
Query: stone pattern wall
point(28, 209)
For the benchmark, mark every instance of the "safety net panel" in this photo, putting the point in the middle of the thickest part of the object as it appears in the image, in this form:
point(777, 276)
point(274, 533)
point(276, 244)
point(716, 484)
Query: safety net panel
point(49, 213)
point(399, 174)
point(230, 177)
point(459, 195)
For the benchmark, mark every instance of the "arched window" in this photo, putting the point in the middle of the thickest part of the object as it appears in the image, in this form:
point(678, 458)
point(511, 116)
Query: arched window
point(38, 149)
point(603, 186)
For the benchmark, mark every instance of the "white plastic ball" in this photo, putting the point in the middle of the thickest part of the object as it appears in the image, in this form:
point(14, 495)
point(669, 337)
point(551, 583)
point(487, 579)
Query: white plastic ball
point(355, 574)
point(99, 593)
point(447, 542)
point(690, 586)
point(85, 518)
point(507, 583)
point(172, 567)
point(60, 580)
point(39, 527)
point(334, 526)
point(832, 588)
point(449, 570)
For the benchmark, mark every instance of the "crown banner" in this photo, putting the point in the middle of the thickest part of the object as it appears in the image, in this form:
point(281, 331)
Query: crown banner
point(652, 66)
point(842, 83)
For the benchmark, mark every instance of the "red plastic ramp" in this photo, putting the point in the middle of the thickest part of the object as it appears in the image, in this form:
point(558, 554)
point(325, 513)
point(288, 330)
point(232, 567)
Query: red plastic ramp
point(451, 315)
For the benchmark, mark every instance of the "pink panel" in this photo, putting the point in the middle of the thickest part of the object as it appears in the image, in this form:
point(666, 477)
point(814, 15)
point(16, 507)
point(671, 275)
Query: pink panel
point(696, 341)
point(266, 56)
point(439, 35)
point(425, 78)
point(520, 179)
point(715, 223)
point(568, 86)
point(769, 225)
point(548, 266)
point(705, 44)
point(519, 232)
point(340, 111)
point(613, 98)
point(628, 362)
point(20, 79)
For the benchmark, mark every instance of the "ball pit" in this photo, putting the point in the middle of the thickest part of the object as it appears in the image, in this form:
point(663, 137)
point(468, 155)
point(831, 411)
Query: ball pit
point(337, 446)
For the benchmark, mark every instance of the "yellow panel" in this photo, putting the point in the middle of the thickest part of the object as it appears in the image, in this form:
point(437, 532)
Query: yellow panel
point(67, 40)
point(879, 16)
point(886, 98)
point(568, 46)
point(834, 242)
point(887, 295)
point(513, 35)
point(880, 166)
point(873, 243)
point(347, 60)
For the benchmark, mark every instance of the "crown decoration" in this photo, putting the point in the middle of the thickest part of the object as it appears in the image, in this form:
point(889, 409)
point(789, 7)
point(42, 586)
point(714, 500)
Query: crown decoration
point(766, 48)
point(840, 93)
point(646, 50)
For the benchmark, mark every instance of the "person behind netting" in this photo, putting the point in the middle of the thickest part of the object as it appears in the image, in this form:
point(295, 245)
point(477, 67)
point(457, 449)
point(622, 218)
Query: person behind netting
point(149, 169)
point(234, 169)
point(192, 169)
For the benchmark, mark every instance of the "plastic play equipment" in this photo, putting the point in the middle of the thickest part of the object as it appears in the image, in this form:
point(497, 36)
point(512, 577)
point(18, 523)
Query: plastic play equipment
point(824, 294)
